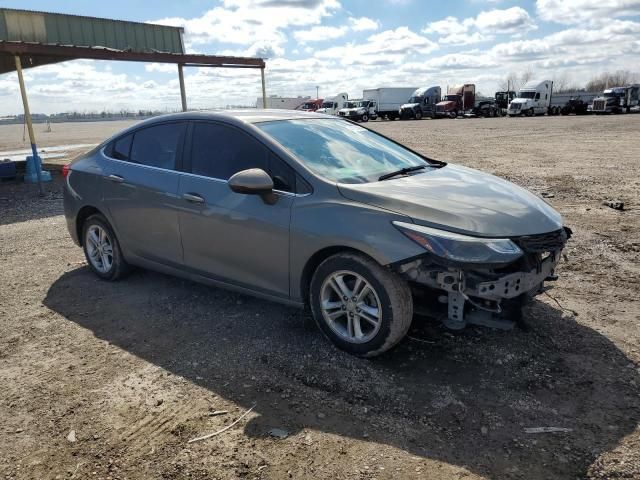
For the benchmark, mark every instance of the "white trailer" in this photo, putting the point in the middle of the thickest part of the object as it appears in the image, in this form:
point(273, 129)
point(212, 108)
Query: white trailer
point(282, 103)
point(389, 99)
point(533, 99)
point(333, 103)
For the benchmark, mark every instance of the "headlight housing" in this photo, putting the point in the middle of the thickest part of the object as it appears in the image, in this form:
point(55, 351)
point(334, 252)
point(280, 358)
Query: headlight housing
point(456, 247)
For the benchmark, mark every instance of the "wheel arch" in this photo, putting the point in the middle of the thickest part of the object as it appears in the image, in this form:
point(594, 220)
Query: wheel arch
point(84, 213)
point(316, 259)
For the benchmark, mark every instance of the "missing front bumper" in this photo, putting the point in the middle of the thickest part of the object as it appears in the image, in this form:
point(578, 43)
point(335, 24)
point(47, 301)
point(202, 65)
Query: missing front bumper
point(481, 296)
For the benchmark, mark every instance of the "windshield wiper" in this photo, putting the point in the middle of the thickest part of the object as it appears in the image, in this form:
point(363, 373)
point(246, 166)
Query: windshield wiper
point(402, 171)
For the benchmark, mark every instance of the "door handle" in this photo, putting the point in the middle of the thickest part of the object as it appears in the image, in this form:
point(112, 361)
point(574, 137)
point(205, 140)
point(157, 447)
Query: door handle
point(116, 178)
point(193, 198)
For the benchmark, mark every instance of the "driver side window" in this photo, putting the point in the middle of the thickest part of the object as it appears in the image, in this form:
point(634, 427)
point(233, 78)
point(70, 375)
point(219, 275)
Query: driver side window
point(220, 151)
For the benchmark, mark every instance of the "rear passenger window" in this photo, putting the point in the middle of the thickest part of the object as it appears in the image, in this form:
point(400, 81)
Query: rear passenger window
point(121, 147)
point(158, 146)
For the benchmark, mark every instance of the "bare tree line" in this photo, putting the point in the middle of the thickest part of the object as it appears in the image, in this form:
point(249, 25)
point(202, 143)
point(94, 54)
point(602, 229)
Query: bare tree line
point(563, 82)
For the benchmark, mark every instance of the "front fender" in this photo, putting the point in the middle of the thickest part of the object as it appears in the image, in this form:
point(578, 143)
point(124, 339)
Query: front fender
point(319, 224)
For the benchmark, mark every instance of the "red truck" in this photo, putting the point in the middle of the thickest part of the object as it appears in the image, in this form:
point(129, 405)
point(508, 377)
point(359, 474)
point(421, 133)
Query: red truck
point(310, 105)
point(458, 100)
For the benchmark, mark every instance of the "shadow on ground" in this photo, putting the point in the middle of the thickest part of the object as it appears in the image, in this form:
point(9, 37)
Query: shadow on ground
point(20, 202)
point(464, 399)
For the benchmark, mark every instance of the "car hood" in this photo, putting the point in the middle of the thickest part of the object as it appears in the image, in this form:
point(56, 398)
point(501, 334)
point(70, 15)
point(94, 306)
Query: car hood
point(446, 104)
point(409, 105)
point(519, 100)
point(462, 200)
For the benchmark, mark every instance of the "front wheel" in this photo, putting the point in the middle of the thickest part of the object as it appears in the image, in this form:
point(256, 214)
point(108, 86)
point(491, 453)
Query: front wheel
point(360, 306)
point(101, 249)
point(418, 115)
point(365, 118)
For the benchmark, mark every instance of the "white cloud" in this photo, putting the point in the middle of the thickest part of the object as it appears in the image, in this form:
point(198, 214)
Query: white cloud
point(384, 48)
point(578, 11)
point(363, 23)
point(483, 27)
point(511, 20)
point(319, 34)
point(245, 22)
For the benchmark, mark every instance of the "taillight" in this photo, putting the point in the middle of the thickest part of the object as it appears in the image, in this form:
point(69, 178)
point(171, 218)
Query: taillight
point(65, 170)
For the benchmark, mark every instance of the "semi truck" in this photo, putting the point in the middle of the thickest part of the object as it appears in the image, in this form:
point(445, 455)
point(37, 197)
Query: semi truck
point(388, 99)
point(284, 103)
point(617, 100)
point(458, 101)
point(533, 99)
point(359, 110)
point(333, 103)
point(422, 103)
point(311, 105)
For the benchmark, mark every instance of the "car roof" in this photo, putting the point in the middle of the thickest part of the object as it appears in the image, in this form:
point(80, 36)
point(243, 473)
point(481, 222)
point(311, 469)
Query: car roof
point(249, 115)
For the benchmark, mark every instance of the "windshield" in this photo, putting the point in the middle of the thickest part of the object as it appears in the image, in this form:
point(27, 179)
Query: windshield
point(452, 98)
point(327, 105)
point(415, 99)
point(339, 151)
point(363, 103)
point(307, 106)
point(527, 95)
point(611, 93)
point(350, 105)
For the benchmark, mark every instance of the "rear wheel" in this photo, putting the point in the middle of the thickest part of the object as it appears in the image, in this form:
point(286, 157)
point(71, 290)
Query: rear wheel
point(360, 306)
point(102, 250)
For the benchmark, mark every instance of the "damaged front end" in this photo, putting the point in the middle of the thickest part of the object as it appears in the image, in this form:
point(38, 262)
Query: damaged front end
point(482, 281)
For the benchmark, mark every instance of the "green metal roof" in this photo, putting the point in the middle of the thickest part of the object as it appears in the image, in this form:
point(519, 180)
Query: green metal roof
point(61, 29)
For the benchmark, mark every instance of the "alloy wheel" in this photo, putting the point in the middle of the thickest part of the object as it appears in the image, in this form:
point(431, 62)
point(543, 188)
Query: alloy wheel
point(99, 248)
point(350, 306)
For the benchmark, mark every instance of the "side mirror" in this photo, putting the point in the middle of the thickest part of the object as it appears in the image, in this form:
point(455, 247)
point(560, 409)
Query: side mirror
point(253, 181)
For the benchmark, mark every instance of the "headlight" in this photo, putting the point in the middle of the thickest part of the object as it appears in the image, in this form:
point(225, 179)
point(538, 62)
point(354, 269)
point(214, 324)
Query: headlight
point(456, 247)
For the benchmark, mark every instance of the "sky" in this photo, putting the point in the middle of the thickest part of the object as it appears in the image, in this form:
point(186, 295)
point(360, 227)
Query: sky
point(338, 46)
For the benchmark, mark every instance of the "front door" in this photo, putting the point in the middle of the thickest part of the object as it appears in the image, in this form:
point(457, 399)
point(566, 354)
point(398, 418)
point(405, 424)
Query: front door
point(230, 236)
point(141, 191)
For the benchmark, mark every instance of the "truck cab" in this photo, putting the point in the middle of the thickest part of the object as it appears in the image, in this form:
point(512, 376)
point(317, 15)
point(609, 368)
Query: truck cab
point(311, 105)
point(457, 101)
point(332, 104)
point(421, 104)
point(617, 100)
point(533, 99)
point(359, 110)
point(503, 99)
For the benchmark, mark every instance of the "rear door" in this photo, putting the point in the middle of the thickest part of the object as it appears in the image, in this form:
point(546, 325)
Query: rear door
point(141, 191)
point(230, 236)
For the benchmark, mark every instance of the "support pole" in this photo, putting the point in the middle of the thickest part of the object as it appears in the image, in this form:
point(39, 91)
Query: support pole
point(264, 89)
point(183, 94)
point(27, 117)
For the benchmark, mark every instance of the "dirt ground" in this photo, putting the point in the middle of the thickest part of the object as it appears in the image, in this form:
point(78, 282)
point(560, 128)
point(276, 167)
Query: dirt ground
point(111, 380)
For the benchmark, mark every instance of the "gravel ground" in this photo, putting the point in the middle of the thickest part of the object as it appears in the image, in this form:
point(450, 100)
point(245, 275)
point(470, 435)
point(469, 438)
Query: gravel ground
point(111, 380)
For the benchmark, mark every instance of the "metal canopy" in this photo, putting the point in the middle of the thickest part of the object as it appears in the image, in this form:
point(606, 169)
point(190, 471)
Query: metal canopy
point(35, 54)
point(30, 39)
point(42, 38)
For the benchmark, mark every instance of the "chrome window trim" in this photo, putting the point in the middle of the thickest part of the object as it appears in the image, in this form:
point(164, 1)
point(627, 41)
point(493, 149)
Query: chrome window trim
point(178, 172)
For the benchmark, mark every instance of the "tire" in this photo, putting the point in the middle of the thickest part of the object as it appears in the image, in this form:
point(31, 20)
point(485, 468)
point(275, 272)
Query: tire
point(388, 291)
point(418, 115)
point(364, 118)
point(95, 227)
point(530, 112)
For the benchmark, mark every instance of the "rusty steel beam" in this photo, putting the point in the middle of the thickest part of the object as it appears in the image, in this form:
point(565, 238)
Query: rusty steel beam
point(69, 52)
